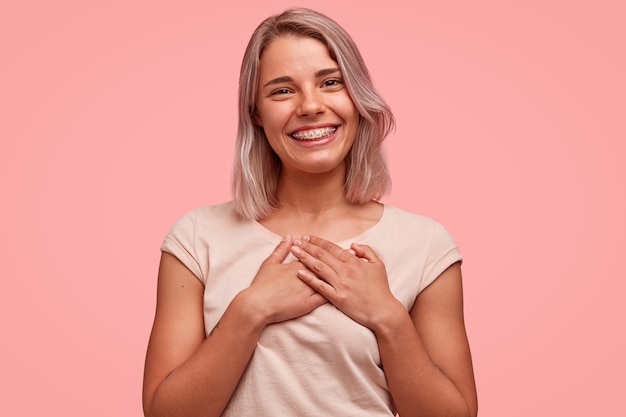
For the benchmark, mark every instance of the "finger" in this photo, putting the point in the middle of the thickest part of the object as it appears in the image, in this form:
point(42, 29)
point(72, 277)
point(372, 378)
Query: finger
point(353, 253)
point(365, 252)
point(317, 259)
point(316, 265)
point(320, 248)
point(317, 300)
point(281, 251)
point(318, 285)
point(327, 245)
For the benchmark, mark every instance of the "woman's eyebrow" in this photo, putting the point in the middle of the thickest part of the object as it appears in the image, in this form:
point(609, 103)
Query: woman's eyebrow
point(326, 71)
point(286, 78)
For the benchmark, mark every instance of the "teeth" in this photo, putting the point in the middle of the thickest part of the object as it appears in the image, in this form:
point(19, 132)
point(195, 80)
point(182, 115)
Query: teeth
point(314, 134)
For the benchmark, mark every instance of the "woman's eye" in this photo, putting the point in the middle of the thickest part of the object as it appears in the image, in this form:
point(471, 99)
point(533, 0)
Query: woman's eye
point(280, 91)
point(333, 82)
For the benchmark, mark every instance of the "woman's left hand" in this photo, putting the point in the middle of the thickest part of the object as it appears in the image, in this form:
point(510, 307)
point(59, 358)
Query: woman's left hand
point(354, 280)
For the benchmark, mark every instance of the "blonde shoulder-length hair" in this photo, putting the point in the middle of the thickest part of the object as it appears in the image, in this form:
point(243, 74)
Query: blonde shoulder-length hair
point(256, 167)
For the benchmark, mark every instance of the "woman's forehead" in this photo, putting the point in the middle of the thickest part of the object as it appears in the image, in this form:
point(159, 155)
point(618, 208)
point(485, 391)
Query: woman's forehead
point(295, 54)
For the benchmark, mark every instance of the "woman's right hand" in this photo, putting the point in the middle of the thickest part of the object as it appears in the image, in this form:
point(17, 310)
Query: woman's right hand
point(276, 289)
point(183, 364)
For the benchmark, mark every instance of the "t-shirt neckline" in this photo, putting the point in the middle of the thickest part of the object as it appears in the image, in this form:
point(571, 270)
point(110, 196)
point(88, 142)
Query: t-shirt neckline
point(359, 238)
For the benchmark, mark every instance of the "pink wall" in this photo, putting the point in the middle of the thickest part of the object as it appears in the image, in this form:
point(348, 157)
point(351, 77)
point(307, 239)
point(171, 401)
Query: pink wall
point(117, 117)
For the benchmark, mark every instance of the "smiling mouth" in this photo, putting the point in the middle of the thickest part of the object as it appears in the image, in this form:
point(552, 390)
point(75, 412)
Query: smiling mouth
point(313, 134)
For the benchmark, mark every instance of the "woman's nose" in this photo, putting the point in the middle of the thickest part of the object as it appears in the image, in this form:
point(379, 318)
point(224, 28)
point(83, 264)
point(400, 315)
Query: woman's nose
point(311, 103)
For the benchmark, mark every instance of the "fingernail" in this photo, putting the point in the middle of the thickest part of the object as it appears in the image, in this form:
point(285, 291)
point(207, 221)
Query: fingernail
point(296, 249)
point(297, 242)
point(286, 237)
point(306, 238)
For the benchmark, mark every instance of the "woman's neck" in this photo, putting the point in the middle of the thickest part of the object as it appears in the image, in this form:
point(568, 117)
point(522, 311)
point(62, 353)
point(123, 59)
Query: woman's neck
point(316, 204)
point(312, 195)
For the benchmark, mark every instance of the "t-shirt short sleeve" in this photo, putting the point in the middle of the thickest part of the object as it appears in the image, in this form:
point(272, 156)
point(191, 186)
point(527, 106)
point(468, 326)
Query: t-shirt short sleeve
point(181, 242)
point(442, 253)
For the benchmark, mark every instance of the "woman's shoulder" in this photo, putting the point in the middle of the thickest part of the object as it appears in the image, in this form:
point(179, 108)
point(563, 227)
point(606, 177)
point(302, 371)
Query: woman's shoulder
point(417, 231)
point(212, 212)
point(220, 211)
point(409, 218)
point(413, 226)
point(208, 217)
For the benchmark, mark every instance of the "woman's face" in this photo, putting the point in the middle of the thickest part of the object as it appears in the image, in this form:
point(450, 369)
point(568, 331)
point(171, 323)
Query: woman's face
point(304, 107)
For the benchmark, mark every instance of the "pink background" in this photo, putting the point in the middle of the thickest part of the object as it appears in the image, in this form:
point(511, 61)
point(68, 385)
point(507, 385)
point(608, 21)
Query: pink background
point(118, 117)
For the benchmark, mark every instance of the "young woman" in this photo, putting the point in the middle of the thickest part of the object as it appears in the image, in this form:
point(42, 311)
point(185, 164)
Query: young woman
point(304, 295)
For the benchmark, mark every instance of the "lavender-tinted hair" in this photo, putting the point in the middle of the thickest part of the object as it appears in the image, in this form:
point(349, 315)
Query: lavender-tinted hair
point(256, 167)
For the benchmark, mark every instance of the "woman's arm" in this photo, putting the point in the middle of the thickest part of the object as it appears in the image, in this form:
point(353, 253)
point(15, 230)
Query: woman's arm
point(424, 353)
point(187, 374)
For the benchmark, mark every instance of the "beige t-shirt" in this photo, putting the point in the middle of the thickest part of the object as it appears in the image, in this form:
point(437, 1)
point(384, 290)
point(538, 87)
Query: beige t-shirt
point(324, 363)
